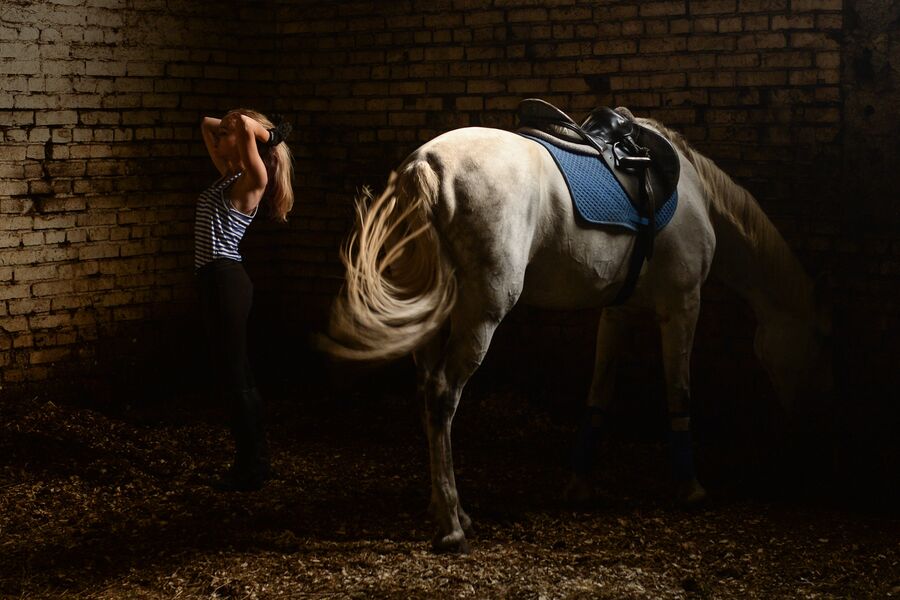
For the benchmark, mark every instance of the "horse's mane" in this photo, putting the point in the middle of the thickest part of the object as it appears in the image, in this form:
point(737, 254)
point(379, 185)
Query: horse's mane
point(780, 269)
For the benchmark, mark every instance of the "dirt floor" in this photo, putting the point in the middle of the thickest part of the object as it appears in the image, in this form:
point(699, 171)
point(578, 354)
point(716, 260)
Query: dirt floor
point(115, 504)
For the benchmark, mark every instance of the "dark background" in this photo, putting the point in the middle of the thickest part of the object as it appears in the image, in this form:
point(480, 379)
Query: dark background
point(102, 159)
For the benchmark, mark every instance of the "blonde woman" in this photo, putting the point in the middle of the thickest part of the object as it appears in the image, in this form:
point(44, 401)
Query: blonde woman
point(255, 166)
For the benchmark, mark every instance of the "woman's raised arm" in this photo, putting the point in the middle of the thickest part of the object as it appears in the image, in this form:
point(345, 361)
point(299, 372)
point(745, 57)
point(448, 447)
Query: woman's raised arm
point(209, 127)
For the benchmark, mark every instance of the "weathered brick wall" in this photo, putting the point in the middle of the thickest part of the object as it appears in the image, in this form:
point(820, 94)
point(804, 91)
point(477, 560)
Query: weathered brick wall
point(101, 159)
point(99, 165)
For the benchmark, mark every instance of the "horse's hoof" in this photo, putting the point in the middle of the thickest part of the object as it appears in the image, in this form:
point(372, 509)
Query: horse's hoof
point(690, 494)
point(465, 521)
point(578, 492)
point(454, 543)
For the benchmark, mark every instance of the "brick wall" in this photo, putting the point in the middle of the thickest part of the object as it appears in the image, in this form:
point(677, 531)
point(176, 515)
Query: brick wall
point(99, 164)
point(101, 159)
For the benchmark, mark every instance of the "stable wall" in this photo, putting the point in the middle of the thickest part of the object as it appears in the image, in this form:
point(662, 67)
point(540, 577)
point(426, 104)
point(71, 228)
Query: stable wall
point(100, 102)
point(101, 158)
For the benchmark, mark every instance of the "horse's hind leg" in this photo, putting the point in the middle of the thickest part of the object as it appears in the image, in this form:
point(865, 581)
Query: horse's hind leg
point(440, 400)
point(443, 372)
point(677, 327)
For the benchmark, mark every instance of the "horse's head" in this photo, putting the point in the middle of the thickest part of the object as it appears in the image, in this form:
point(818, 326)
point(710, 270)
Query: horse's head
point(795, 350)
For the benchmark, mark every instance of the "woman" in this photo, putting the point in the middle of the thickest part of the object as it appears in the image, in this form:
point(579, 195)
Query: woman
point(255, 163)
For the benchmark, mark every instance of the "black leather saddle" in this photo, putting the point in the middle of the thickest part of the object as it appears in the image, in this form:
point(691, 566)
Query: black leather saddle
point(644, 163)
point(626, 147)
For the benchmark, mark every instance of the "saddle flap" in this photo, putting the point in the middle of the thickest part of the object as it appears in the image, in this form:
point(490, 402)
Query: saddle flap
point(665, 157)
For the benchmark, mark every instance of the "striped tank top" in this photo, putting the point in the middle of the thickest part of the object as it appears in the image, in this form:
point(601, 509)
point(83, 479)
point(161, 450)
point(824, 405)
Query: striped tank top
point(218, 226)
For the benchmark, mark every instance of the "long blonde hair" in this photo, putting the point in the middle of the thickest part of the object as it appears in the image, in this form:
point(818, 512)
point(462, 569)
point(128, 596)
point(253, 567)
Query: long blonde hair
point(278, 198)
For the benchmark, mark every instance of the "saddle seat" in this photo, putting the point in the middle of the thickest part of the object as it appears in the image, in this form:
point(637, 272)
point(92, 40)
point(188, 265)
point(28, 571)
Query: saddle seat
point(627, 148)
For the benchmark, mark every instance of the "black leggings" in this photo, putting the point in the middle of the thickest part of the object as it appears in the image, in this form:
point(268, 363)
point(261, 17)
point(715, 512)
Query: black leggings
point(226, 295)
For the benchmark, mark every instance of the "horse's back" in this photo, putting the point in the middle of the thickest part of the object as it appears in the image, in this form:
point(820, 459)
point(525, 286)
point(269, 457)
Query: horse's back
point(503, 206)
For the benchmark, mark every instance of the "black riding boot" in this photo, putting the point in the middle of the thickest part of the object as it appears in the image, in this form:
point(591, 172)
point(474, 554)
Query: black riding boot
point(251, 459)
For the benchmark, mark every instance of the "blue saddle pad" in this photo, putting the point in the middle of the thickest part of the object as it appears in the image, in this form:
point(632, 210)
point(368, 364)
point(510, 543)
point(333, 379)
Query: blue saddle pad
point(596, 193)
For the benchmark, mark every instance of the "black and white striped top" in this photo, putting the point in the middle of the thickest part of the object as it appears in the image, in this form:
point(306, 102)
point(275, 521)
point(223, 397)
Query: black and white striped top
point(218, 226)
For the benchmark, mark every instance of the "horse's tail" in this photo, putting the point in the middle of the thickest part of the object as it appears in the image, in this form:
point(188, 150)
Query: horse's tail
point(400, 287)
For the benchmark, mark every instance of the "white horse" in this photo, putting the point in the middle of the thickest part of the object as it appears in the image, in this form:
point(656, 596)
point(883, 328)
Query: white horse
point(479, 219)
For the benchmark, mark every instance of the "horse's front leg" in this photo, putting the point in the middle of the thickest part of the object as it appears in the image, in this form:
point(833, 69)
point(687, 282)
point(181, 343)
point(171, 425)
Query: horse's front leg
point(609, 336)
point(677, 330)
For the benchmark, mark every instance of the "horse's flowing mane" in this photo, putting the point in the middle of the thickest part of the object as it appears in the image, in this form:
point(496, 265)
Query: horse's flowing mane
point(737, 209)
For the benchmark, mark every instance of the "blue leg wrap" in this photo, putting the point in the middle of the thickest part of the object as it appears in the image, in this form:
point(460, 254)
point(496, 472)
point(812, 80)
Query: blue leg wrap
point(682, 455)
point(587, 440)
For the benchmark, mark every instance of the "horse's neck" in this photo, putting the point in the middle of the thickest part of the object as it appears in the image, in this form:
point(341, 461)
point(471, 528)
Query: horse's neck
point(764, 272)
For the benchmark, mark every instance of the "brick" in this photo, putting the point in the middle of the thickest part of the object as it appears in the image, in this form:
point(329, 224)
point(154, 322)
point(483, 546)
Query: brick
point(444, 54)
point(816, 40)
point(613, 47)
point(738, 61)
point(792, 22)
point(8, 223)
point(12, 153)
point(707, 7)
point(50, 355)
point(715, 79)
point(659, 9)
point(799, 6)
point(10, 239)
point(21, 67)
point(770, 6)
point(54, 222)
point(756, 23)
point(787, 60)
point(28, 306)
point(470, 103)
point(707, 43)
point(107, 68)
point(761, 41)
point(23, 340)
point(98, 251)
point(19, 51)
point(526, 14)
point(15, 325)
point(667, 45)
point(833, 22)
point(8, 292)
point(66, 169)
point(13, 188)
point(31, 239)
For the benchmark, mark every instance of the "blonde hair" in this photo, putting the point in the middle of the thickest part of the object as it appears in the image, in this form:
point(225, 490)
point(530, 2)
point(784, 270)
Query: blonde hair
point(278, 198)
